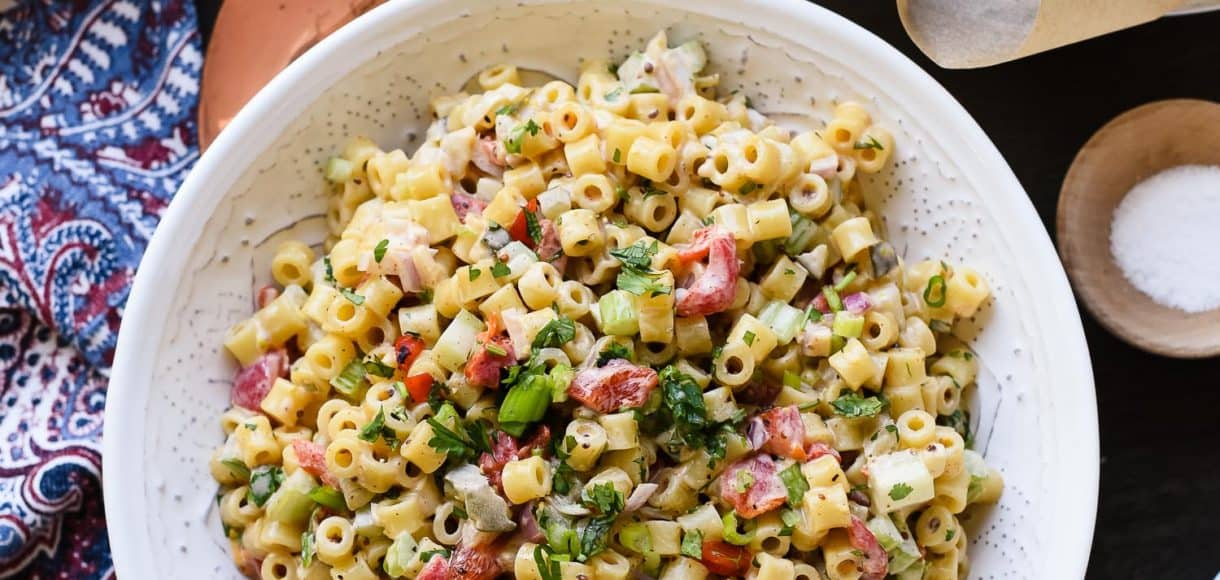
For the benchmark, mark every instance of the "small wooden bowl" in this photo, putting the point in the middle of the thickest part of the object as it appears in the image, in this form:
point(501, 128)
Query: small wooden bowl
point(1130, 148)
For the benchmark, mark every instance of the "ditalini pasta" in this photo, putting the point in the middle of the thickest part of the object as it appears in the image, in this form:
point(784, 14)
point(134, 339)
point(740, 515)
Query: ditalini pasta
point(596, 331)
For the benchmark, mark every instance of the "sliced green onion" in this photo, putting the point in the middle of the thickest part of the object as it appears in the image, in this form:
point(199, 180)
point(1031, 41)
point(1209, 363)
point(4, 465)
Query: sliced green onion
point(848, 325)
point(842, 284)
point(618, 314)
point(832, 298)
point(736, 536)
point(351, 380)
point(936, 285)
point(338, 170)
point(328, 496)
point(495, 349)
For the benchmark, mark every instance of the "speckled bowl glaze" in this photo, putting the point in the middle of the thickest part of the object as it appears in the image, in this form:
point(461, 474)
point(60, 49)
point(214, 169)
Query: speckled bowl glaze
point(948, 195)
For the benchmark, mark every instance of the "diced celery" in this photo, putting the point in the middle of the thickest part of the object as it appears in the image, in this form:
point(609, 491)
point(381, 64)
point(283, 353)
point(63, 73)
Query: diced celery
point(338, 170)
point(455, 344)
point(783, 319)
point(618, 314)
point(736, 536)
point(291, 503)
point(525, 403)
point(848, 325)
point(902, 551)
point(399, 556)
point(978, 473)
point(803, 232)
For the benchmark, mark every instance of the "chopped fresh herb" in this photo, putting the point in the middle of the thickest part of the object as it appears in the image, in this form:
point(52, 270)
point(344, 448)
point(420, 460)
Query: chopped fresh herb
point(638, 255)
point(614, 95)
point(608, 502)
point(747, 188)
point(425, 296)
point(618, 156)
point(264, 480)
point(936, 287)
point(852, 405)
point(892, 428)
point(330, 271)
point(796, 483)
point(682, 400)
point(430, 554)
point(899, 491)
point(517, 136)
point(352, 296)
point(789, 272)
point(532, 227)
point(959, 420)
point(448, 442)
point(612, 351)
point(460, 513)
point(379, 251)
point(872, 143)
point(495, 349)
point(749, 337)
point(376, 429)
point(507, 109)
point(237, 468)
point(622, 195)
point(307, 549)
point(251, 426)
point(557, 332)
point(328, 496)
point(949, 534)
point(644, 89)
point(692, 544)
point(500, 269)
point(475, 273)
point(377, 368)
point(717, 351)
point(650, 191)
point(637, 275)
point(709, 220)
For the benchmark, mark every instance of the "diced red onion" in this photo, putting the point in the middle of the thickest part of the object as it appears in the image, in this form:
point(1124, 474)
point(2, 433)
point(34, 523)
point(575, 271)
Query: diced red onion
point(756, 433)
point(856, 303)
point(640, 496)
point(529, 524)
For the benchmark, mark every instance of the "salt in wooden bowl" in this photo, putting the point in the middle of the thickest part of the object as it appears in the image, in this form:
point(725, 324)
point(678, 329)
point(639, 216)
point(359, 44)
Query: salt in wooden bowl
point(1134, 146)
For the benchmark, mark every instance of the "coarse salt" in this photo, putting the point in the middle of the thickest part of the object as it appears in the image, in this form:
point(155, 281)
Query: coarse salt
point(1166, 237)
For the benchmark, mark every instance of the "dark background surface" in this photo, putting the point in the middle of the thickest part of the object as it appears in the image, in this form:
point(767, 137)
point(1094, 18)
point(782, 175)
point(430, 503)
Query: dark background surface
point(1159, 511)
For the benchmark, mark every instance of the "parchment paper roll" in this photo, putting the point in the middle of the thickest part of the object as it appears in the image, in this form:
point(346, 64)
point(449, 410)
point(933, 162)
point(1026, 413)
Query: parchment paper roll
point(976, 33)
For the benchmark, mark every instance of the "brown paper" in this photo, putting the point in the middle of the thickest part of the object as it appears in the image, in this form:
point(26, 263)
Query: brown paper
point(977, 33)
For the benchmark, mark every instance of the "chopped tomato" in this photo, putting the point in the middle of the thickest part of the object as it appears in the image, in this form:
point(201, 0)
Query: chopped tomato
point(266, 295)
point(419, 386)
point(407, 349)
point(725, 559)
point(519, 230)
point(617, 385)
point(712, 290)
point(253, 383)
point(312, 458)
point(752, 486)
point(785, 432)
point(876, 562)
point(473, 563)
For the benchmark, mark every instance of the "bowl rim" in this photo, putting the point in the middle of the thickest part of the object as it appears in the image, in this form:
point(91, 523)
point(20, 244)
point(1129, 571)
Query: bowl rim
point(295, 88)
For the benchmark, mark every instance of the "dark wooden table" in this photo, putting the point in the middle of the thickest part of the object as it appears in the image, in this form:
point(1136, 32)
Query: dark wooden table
point(1159, 513)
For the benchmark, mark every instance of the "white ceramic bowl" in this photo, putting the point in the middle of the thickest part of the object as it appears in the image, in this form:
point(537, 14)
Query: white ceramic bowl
point(949, 195)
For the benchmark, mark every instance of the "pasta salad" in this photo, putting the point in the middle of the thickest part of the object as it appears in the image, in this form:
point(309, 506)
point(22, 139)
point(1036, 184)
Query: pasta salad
point(619, 329)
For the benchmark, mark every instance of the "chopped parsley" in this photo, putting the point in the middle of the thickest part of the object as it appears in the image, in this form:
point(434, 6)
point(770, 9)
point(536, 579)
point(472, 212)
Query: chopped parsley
point(532, 227)
point(379, 251)
point(682, 400)
point(475, 273)
point(615, 94)
point(377, 368)
point(796, 483)
point(376, 429)
point(747, 188)
point(900, 490)
point(749, 337)
point(612, 351)
point(618, 156)
point(507, 109)
point(264, 480)
point(949, 534)
point(852, 405)
point(608, 503)
point(500, 269)
point(330, 271)
point(352, 296)
point(557, 332)
point(446, 441)
point(637, 275)
point(237, 468)
point(517, 136)
point(307, 549)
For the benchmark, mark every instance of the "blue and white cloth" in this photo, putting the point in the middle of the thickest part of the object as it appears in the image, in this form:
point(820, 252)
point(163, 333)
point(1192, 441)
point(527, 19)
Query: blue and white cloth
point(97, 130)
